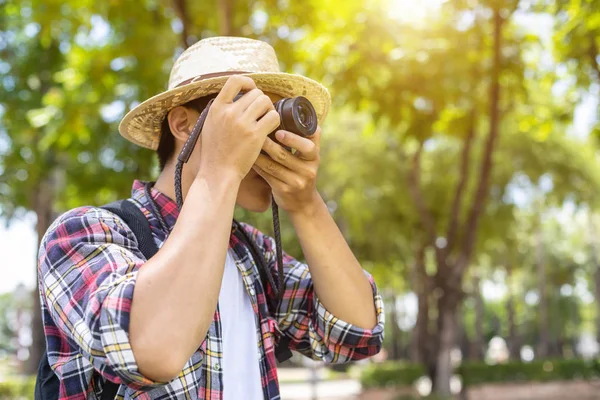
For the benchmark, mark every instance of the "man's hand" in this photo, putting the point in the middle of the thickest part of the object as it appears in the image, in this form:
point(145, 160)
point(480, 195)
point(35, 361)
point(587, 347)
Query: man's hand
point(235, 131)
point(338, 278)
point(292, 177)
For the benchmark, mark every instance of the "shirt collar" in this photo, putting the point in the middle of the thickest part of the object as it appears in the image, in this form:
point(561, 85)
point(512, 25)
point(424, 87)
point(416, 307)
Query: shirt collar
point(166, 206)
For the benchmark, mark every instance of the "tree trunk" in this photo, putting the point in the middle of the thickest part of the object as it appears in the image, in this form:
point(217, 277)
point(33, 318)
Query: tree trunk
point(544, 326)
point(559, 350)
point(43, 208)
point(513, 335)
point(462, 341)
point(446, 326)
point(597, 279)
point(395, 329)
point(481, 193)
point(420, 339)
point(596, 261)
point(225, 9)
point(465, 340)
point(479, 342)
point(465, 169)
point(181, 11)
point(450, 269)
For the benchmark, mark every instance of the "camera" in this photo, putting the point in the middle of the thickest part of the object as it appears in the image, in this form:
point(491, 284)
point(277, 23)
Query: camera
point(297, 115)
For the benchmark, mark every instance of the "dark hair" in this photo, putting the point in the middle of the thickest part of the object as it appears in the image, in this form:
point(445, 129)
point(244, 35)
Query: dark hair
point(166, 144)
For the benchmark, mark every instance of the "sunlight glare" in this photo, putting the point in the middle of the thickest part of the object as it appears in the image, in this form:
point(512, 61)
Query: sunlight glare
point(411, 11)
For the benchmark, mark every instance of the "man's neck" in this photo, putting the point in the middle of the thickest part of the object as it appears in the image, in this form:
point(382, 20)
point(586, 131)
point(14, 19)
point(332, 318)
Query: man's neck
point(166, 181)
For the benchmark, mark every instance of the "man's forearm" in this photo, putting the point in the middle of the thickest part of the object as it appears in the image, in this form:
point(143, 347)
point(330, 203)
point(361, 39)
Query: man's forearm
point(177, 290)
point(338, 278)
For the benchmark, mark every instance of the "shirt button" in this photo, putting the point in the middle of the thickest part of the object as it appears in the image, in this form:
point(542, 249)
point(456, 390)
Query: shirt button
point(217, 367)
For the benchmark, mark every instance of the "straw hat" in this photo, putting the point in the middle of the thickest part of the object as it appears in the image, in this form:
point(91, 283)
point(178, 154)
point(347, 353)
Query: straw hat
point(204, 68)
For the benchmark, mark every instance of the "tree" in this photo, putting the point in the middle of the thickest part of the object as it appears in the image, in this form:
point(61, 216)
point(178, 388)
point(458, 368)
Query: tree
point(577, 44)
point(577, 37)
point(416, 109)
point(424, 89)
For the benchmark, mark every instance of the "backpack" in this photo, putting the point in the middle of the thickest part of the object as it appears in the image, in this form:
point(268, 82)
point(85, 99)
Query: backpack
point(47, 383)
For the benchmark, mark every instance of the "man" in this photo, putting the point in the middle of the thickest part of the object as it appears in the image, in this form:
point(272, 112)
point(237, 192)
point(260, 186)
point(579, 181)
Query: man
point(192, 321)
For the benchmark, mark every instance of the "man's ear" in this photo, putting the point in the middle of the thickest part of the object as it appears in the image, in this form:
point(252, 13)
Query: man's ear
point(180, 120)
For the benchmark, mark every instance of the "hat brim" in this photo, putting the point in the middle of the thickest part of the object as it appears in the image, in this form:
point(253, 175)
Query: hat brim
point(142, 125)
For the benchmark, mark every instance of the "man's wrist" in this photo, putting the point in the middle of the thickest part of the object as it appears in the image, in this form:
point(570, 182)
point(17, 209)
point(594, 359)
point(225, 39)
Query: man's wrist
point(312, 208)
point(218, 183)
point(219, 176)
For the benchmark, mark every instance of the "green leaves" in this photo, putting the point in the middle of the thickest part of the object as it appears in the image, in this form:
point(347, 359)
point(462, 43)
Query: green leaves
point(72, 70)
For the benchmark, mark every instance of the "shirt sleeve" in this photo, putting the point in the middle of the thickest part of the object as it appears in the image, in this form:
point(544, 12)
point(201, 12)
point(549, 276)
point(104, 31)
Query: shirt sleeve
point(88, 265)
point(310, 327)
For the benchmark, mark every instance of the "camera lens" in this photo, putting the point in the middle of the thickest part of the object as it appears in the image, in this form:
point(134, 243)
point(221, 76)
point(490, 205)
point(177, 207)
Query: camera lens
point(303, 116)
point(297, 115)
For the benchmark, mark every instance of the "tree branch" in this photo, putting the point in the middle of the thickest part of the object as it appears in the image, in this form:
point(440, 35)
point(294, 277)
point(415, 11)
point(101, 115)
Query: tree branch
point(181, 11)
point(462, 183)
point(486, 167)
point(225, 9)
point(414, 187)
point(593, 53)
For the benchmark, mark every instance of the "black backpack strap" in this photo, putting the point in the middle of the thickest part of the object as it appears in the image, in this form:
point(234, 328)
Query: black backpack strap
point(137, 222)
point(282, 349)
point(139, 225)
point(109, 390)
point(47, 384)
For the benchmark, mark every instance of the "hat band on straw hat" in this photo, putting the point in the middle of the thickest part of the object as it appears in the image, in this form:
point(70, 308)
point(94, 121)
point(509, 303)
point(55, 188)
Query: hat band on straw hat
point(211, 75)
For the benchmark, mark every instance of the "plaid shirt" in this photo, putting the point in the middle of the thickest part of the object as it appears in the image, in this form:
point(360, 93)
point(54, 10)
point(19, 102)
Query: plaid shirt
point(88, 265)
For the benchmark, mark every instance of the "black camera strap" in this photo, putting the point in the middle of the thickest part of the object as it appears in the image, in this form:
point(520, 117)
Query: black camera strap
point(282, 349)
point(184, 157)
point(139, 225)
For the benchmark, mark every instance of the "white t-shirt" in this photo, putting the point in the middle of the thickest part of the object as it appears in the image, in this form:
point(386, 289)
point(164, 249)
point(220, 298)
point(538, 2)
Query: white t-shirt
point(241, 371)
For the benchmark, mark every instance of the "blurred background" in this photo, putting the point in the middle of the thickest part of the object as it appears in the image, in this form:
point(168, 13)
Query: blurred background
point(461, 161)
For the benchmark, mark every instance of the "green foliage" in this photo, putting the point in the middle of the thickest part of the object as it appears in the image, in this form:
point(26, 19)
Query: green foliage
point(74, 69)
point(399, 374)
point(71, 69)
point(536, 371)
point(17, 389)
point(577, 41)
point(391, 374)
point(413, 82)
point(576, 37)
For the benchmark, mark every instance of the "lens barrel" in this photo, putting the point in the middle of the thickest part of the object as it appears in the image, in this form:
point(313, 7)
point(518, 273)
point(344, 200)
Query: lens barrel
point(297, 115)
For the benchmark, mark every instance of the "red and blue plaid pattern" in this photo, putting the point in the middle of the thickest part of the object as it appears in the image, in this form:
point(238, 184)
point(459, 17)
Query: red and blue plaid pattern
point(88, 266)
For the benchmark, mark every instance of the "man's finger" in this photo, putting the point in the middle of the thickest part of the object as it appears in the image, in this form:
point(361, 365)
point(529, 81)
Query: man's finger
point(282, 155)
point(273, 168)
point(269, 122)
point(306, 147)
point(233, 86)
point(270, 179)
point(248, 98)
point(259, 107)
